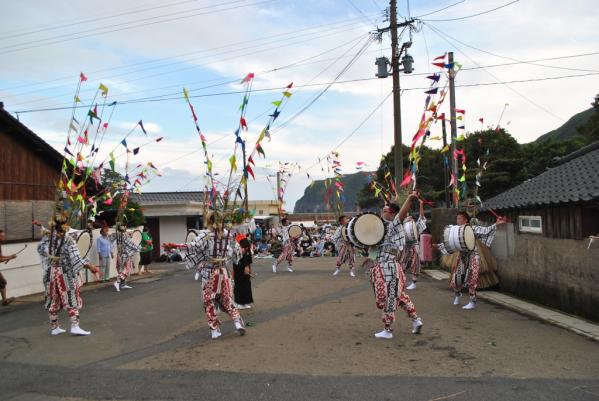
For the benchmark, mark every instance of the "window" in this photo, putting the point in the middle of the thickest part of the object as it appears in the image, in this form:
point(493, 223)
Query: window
point(530, 224)
point(260, 212)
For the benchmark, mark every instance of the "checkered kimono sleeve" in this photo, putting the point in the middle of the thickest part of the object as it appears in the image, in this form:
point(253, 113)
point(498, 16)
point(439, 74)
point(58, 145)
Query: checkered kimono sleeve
point(337, 236)
point(129, 247)
point(441, 248)
point(197, 251)
point(70, 257)
point(285, 234)
point(394, 240)
point(421, 224)
point(486, 235)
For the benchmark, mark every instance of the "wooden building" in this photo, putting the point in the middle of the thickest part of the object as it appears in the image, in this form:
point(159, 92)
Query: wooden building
point(29, 168)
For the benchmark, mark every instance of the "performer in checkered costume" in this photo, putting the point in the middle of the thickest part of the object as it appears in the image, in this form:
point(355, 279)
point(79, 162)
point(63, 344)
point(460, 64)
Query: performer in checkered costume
point(126, 248)
point(466, 266)
point(210, 258)
point(289, 246)
point(387, 275)
point(345, 249)
point(61, 264)
point(410, 256)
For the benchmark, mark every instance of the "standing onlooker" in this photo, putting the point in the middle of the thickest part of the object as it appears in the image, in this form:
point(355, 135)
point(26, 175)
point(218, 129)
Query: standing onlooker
point(145, 256)
point(5, 300)
point(105, 253)
point(242, 272)
point(258, 233)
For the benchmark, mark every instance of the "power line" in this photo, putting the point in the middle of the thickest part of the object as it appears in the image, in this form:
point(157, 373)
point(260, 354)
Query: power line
point(85, 21)
point(497, 79)
point(336, 31)
point(439, 10)
point(278, 88)
point(361, 12)
point(219, 82)
point(506, 57)
point(340, 24)
point(68, 37)
point(473, 15)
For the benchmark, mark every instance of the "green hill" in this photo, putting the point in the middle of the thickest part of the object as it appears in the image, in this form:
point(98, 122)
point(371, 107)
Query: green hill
point(313, 199)
point(569, 129)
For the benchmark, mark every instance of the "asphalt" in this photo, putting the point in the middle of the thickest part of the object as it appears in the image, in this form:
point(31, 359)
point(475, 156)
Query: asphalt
point(310, 337)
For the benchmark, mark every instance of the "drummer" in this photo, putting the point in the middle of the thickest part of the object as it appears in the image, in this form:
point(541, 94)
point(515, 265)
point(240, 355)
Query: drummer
point(126, 248)
point(289, 246)
point(346, 251)
point(410, 257)
point(387, 275)
point(466, 266)
point(202, 253)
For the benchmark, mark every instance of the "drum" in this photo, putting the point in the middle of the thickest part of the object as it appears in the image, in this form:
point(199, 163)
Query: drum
point(192, 234)
point(295, 231)
point(459, 238)
point(366, 229)
point(84, 242)
point(136, 237)
point(411, 229)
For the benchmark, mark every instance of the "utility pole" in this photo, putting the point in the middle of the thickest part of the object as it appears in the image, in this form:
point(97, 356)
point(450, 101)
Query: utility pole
point(454, 128)
point(445, 166)
point(397, 154)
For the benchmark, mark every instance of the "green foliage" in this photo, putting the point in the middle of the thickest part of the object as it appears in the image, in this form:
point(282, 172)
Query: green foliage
point(313, 199)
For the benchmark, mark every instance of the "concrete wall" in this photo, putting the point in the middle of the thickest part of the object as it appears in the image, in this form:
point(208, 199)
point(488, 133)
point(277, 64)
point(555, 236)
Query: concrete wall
point(172, 229)
point(560, 273)
point(440, 218)
point(24, 274)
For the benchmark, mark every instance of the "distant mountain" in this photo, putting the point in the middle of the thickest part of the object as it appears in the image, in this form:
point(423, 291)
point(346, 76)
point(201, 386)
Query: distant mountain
point(313, 199)
point(569, 129)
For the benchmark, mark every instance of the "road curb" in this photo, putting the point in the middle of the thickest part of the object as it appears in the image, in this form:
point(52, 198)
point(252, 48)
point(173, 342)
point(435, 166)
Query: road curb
point(551, 316)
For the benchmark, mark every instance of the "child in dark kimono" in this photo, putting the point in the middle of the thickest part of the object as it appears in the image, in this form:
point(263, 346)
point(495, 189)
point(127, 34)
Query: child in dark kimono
point(242, 272)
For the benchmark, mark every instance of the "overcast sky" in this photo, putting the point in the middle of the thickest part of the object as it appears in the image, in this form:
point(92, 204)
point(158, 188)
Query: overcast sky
point(150, 50)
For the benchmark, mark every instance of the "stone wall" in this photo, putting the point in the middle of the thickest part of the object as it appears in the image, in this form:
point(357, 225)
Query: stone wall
point(559, 273)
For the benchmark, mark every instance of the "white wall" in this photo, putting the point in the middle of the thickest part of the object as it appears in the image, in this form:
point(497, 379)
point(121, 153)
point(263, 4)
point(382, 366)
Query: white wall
point(24, 274)
point(172, 229)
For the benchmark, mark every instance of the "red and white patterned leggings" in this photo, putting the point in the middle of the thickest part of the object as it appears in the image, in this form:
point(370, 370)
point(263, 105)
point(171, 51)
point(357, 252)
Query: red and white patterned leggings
point(124, 269)
point(411, 259)
point(286, 254)
point(473, 274)
point(346, 255)
point(217, 290)
point(62, 298)
point(391, 295)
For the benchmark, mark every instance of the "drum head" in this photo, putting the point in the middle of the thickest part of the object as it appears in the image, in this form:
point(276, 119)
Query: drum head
point(295, 231)
point(469, 238)
point(84, 243)
point(368, 229)
point(191, 235)
point(136, 237)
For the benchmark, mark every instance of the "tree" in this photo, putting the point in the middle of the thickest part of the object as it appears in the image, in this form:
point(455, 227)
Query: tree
point(590, 130)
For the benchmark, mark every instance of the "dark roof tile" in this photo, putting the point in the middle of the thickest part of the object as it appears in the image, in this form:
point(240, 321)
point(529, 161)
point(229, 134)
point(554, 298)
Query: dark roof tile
point(574, 179)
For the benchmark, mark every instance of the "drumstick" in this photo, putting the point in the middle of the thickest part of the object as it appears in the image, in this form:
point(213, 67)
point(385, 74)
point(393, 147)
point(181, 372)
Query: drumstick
point(16, 253)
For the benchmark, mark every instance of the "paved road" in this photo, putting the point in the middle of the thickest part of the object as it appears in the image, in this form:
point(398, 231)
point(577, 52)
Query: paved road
point(310, 337)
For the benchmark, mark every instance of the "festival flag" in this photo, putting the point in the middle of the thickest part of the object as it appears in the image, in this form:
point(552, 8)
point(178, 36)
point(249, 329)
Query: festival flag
point(136, 151)
point(277, 103)
point(440, 65)
point(82, 77)
point(432, 91)
point(247, 78)
point(481, 120)
point(461, 111)
point(440, 57)
point(243, 123)
point(141, 125)
point(124, 143)
point(103, 89)
point(250, 171)
point(260, 150)
point(185, 94)
point(233, 163)
point(434, 77)
point(77, 99)
point(287, 94)
point(159, 139)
